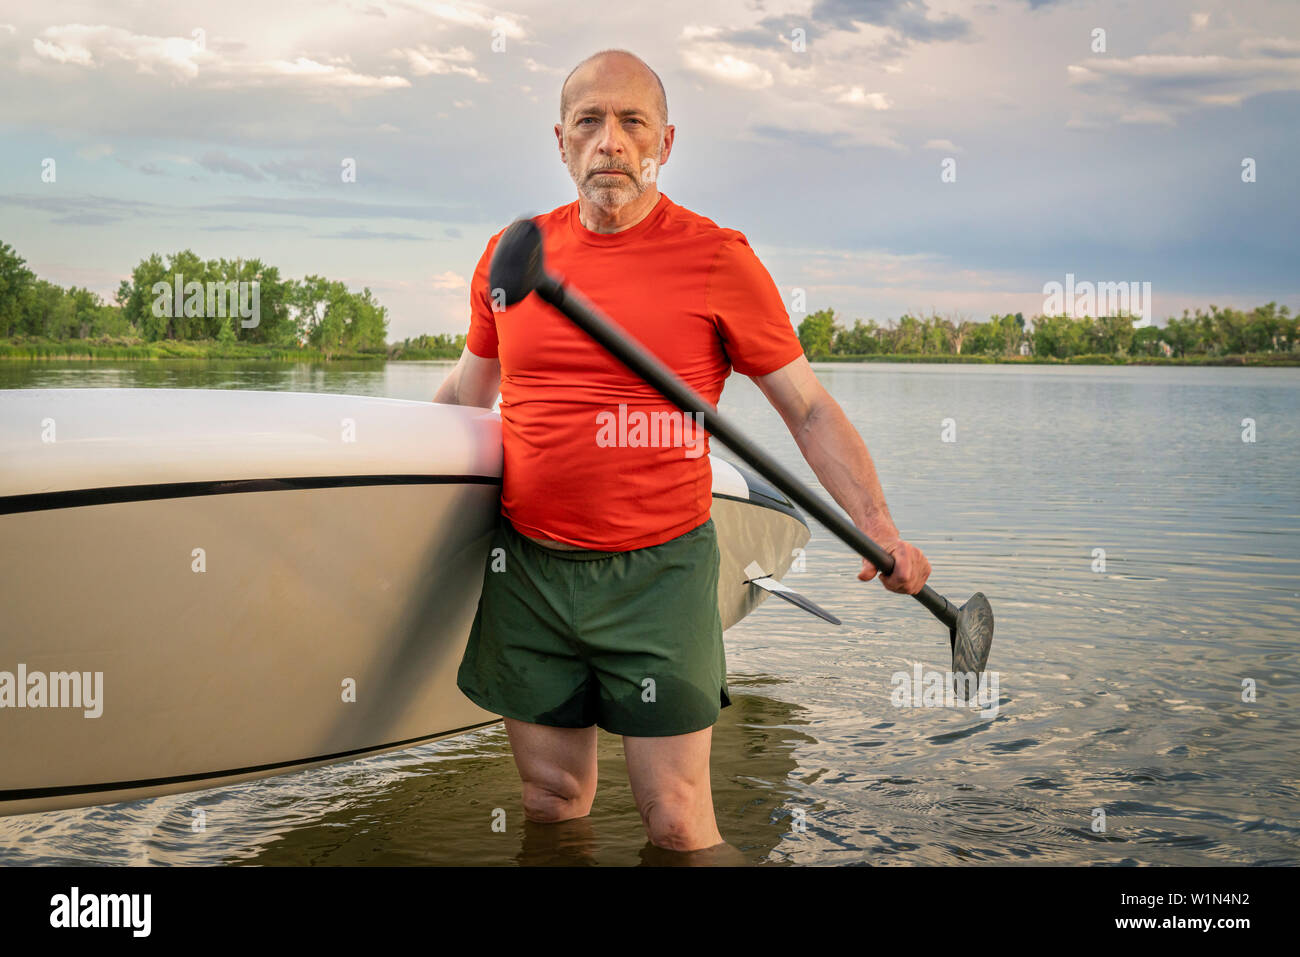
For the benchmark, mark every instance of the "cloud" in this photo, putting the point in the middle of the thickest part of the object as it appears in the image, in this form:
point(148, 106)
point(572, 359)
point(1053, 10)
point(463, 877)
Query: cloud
point(473, 15)
point(818, 97)
point(727, 68)
point(1148, 117)
point(334, 209)
point(911, 20)
point(93, 47)
point(449, 281)
point(96, 152)
point(308, 73)
point(426, 61)
point(856, 96)
point(215, 161)
point(358, 232)
point(101, 209)
point(1159, 88)
point(186, 59)
point(283, 170)
point(86, 219)
point(946, 146)
point(1271, 47)
point(887, 24)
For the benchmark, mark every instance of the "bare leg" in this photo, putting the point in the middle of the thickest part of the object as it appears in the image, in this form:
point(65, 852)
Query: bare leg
point(670, 782)
point(557, 767)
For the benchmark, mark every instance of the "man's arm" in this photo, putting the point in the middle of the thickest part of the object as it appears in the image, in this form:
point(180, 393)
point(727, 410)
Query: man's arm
point(839, 457)
point(475, 381)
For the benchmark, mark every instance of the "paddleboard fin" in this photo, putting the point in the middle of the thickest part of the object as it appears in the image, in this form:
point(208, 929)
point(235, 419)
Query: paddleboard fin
point(769, 584)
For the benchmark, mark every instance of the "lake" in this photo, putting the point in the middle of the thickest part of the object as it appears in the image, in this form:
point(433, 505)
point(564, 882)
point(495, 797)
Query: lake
point(1143, 563)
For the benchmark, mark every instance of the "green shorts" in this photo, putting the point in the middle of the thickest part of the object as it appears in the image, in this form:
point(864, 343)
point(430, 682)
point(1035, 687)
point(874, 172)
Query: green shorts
point(630, 641)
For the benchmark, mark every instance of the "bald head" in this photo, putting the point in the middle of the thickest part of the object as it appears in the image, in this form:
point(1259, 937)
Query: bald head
point(620, 60)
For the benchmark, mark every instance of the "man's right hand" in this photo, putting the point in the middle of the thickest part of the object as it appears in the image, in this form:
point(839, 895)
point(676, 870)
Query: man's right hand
point(911, 568)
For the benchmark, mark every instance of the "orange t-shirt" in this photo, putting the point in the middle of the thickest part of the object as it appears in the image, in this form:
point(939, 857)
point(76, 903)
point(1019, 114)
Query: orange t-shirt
point(578, 468)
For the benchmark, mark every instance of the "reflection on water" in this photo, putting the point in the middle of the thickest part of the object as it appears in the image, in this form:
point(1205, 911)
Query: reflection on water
point(433, 805)
point(1121, 684)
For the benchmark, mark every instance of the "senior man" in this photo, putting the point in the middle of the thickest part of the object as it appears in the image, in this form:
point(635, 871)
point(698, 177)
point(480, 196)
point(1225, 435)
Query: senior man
point(599, 608)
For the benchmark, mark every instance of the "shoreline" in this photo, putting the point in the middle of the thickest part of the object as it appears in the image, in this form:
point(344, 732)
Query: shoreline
point(210, 351)
point(1237, 359)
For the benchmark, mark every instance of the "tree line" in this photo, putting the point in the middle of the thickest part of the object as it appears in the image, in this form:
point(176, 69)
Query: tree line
point(1218, 332)
point(326, 316)
point(313, 312)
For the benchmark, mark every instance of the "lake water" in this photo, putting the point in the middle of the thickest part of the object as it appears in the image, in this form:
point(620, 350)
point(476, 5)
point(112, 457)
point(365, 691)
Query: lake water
point(1120, 689)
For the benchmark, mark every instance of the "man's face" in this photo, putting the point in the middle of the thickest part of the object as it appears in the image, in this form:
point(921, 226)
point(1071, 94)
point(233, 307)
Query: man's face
point(612, 139)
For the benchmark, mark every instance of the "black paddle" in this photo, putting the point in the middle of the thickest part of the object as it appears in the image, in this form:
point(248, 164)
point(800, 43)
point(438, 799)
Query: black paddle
point(518, 269)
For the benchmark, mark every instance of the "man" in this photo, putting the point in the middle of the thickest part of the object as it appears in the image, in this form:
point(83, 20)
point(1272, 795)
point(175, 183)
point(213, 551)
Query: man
point(601, 609)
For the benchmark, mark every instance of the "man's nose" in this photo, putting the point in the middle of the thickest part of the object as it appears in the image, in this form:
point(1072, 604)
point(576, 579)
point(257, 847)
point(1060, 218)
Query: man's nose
point(611, 140)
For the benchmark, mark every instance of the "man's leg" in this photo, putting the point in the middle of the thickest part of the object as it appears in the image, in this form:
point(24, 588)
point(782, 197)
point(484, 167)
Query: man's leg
point(670, 782)
point(557, 767)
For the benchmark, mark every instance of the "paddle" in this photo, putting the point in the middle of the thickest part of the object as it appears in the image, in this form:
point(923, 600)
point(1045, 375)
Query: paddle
point(518, 269)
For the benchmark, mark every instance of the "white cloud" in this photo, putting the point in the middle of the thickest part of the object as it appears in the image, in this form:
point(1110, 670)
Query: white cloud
point(728, 68)
point(696, 32)
point(102, 47)
point(534, 67)
point(1158, 88)
point(426, 61)
point(859, 97)
point(473, 15)
point(449, 281)
point(308, 73)
point(946, 145)
point(96, 46)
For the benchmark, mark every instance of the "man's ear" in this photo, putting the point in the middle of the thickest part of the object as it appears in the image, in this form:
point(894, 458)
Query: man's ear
point(669, 132)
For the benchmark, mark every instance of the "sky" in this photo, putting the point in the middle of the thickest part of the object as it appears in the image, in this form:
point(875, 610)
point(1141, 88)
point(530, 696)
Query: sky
point(1105, 140)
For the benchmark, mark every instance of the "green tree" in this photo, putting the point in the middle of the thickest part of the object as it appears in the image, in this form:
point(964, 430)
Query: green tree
point(862, 340)
point(15, 284)
point(817, 332)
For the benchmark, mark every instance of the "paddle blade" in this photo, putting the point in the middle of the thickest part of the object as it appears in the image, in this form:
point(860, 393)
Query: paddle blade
point(517, 265)
point(973, 636)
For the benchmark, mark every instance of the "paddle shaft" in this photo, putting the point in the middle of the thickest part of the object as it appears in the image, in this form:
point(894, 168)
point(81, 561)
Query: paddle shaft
point(645, 364)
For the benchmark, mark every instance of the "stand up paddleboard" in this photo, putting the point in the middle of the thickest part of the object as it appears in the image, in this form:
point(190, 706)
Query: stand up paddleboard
point(201, 587)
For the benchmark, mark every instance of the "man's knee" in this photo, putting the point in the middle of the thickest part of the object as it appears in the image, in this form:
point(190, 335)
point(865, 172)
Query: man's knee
point(676, 822)
point(556, 801)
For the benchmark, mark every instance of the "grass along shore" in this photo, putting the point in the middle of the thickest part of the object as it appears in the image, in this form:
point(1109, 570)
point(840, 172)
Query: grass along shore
point(1241, 359)
point(124, 349)
point(127, 349)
